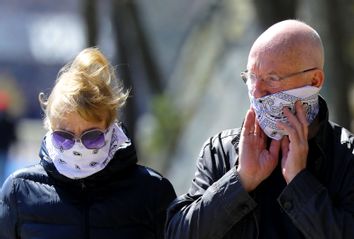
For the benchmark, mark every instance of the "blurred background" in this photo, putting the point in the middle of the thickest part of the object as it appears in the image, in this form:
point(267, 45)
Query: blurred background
point(181, 60)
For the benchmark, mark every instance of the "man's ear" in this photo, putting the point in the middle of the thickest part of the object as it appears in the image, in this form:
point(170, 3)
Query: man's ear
point(318, 78)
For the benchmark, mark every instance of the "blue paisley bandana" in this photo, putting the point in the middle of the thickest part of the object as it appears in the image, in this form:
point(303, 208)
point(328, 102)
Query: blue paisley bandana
point(80, 162)
point(269, 109)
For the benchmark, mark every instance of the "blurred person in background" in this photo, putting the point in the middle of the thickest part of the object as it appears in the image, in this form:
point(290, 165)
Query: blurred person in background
point(288, 172)
point(88, 183)
point(7, 132)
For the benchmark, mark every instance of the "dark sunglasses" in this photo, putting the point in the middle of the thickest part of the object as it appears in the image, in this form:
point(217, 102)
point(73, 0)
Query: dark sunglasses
point(91, 139)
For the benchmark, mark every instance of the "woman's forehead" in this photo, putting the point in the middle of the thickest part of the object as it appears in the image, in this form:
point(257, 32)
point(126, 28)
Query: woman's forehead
point(73, 122)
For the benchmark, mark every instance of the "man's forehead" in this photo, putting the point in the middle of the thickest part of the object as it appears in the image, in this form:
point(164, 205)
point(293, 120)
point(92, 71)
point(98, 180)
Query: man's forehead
point(272, 61)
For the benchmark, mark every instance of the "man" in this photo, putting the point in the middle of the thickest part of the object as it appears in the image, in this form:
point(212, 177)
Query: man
point(288, 172)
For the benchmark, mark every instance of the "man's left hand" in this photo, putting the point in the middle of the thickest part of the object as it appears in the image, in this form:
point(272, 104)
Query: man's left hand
point(294, 146)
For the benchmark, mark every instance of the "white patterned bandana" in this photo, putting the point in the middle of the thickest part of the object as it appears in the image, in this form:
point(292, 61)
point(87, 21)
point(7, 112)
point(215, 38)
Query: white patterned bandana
point(80, 162)
point(269, 109)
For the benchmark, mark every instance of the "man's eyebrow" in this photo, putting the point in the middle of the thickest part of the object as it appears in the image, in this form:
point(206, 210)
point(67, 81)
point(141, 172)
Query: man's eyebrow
point(266, 74)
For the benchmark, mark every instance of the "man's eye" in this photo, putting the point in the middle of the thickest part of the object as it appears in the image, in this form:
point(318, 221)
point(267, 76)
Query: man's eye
point(272, 78)
point(251, 76)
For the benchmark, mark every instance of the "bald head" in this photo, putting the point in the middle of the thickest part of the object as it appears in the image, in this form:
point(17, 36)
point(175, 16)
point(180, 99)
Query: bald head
point(291, 42)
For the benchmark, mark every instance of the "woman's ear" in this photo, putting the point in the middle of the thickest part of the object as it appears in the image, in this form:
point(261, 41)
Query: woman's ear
point(318, 78)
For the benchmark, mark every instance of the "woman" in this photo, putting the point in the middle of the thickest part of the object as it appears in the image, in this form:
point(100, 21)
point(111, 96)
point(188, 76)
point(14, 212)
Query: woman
point(87, 184)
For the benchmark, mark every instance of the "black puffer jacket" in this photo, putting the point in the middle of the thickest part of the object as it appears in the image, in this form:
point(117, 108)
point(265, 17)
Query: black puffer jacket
point(124, 200)
point(317, 204)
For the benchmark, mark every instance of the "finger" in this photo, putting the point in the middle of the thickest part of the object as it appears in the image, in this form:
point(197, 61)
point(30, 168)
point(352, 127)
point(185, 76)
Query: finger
point(300, 112)
point(257, 128)
point(292, 119)
point(295, 128)
point(290, 131)
point(301, 115)
point(285, 145)
point(259, 134)
point(274, 148)
point(263, 136)
point(249, 124)
point(284, 149)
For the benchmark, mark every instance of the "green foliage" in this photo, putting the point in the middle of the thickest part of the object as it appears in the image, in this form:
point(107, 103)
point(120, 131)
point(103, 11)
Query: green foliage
point(169, 123)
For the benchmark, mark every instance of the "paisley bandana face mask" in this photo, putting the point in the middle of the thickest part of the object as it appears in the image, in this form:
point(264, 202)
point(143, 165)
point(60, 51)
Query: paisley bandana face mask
point(269, 109)
point(82, 158)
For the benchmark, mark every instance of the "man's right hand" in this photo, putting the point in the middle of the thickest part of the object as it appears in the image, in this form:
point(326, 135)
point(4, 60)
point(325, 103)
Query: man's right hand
point(256, 162)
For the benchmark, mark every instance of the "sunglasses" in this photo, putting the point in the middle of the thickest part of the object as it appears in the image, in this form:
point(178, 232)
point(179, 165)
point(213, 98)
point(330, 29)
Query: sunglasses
point(91, 139)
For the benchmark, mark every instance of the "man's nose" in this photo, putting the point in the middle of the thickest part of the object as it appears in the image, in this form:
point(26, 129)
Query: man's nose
point(259, 89)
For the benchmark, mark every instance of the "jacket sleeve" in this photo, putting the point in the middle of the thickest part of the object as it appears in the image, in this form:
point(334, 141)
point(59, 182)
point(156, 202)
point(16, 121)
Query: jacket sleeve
point(216, 201)
point(324, 209)
point(314, 212)
point(166, 194)
point(8, 211)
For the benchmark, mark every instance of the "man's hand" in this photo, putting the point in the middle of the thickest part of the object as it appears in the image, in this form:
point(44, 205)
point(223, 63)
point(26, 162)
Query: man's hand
point(294, 147)
point(256, 162)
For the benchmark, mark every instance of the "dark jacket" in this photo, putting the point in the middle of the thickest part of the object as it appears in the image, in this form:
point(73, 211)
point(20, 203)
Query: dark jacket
point(124, 200)
point(318, 202)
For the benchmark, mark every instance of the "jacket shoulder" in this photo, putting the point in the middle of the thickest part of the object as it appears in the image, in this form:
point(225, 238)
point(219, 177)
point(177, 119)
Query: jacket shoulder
point(30, 175)
point(219, 153)
point(152, 173)
point(345, 136)
point(33, 173)
point(151, 176)
point(224, 141)
point(227, 135)
point(153, 181)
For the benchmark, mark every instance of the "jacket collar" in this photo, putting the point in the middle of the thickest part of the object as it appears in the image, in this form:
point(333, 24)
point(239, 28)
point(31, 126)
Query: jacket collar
point(323, 129)
point(318, 153)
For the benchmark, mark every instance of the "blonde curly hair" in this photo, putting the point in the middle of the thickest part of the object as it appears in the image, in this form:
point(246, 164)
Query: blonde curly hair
point(88, 86)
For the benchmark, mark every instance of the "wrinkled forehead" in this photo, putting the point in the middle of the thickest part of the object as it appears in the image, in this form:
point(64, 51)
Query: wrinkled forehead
point(274, 60)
